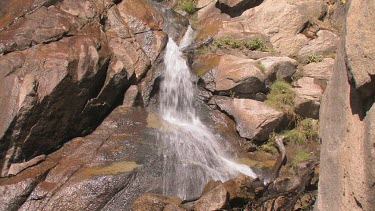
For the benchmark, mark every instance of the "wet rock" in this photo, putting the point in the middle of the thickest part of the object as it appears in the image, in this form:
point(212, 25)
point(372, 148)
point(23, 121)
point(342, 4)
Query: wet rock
point(240, 190)
point(174, 24)
point(216, 199)
point(278, 67)
point(156, 202)
point(212, 184)
point(308, 96)
point(324, 45)
point(235, 75)
point(321, 71)
point(140, 16)
point(254, 120)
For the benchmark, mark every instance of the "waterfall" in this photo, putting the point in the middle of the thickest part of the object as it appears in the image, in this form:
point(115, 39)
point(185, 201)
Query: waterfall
point(191, 154)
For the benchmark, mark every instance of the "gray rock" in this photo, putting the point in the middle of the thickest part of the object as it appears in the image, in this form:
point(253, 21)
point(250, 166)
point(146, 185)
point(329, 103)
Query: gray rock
point(278, 67)
point(308, 96)
point(254, 120)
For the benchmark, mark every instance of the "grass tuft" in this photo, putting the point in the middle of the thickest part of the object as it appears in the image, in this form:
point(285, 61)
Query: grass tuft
point(189, 6)
point(314, 58)
point(300, 157)
point(281, 97)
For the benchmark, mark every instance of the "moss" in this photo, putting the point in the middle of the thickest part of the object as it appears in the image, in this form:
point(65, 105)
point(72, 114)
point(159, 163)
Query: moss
point(314, 58)
point(281, 97)
point(300, 157)
point(189, 6)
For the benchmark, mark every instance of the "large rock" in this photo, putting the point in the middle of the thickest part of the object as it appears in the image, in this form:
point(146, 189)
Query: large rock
point(324, 45)
point(235, 75)
point(241, 190)
point(75, 56)
point(254, 120)
point(278, 67)
point(282, 21)
point(359, 42)
point(308, 96)
point(321, 71)
point(216, 199)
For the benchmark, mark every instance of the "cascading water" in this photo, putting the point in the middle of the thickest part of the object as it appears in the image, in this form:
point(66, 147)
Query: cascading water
point(191, 155)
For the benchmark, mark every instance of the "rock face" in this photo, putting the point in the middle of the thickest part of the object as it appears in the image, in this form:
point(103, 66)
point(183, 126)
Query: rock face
point(254, 120)
point(91, 172)
point(359, 45)
point(347, 118)
point(67, 65)
point(156, 202)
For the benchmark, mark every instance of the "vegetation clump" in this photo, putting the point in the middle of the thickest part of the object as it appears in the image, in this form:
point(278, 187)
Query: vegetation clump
point(189, 6)
point(314, 58)
point(300, 157)
point(305, 130)
point(251, 44)
point(281, 97)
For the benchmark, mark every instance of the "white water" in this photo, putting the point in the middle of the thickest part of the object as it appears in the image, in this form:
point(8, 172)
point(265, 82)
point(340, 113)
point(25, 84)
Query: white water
point(192, 156)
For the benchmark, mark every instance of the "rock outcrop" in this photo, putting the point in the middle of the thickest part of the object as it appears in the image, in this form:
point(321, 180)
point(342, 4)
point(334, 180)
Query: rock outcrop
point(66, 65)
point(347, 117)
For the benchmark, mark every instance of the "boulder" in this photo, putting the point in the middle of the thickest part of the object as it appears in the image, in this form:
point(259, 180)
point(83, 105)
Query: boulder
point(308, 96)
point(325, 45)
point(254, 120)
point(282, 21)
point(240, 190)
point(278, 67)
point(235, 75)
point(204, 3)
point(216, 199)
point(157, 202)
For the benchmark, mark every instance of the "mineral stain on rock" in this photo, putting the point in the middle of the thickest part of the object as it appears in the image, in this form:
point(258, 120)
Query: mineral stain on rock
point(113, 168)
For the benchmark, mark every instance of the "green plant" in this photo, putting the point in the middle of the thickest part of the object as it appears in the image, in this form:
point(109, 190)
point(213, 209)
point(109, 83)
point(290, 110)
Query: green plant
point(305, 130)
point(251, 44)
point(281, 97)
point(314, 58)
point(189, 6)
point(255, 44)
point(300, 157)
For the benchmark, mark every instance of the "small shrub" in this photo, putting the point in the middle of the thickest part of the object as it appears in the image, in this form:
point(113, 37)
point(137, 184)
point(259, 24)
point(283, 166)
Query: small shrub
point(281, 97)
point(314, 58)
point(300, 157)
point(189, 6)
point(252, 44)
point(269, 147)
point(305, 130)
point(255, 44)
